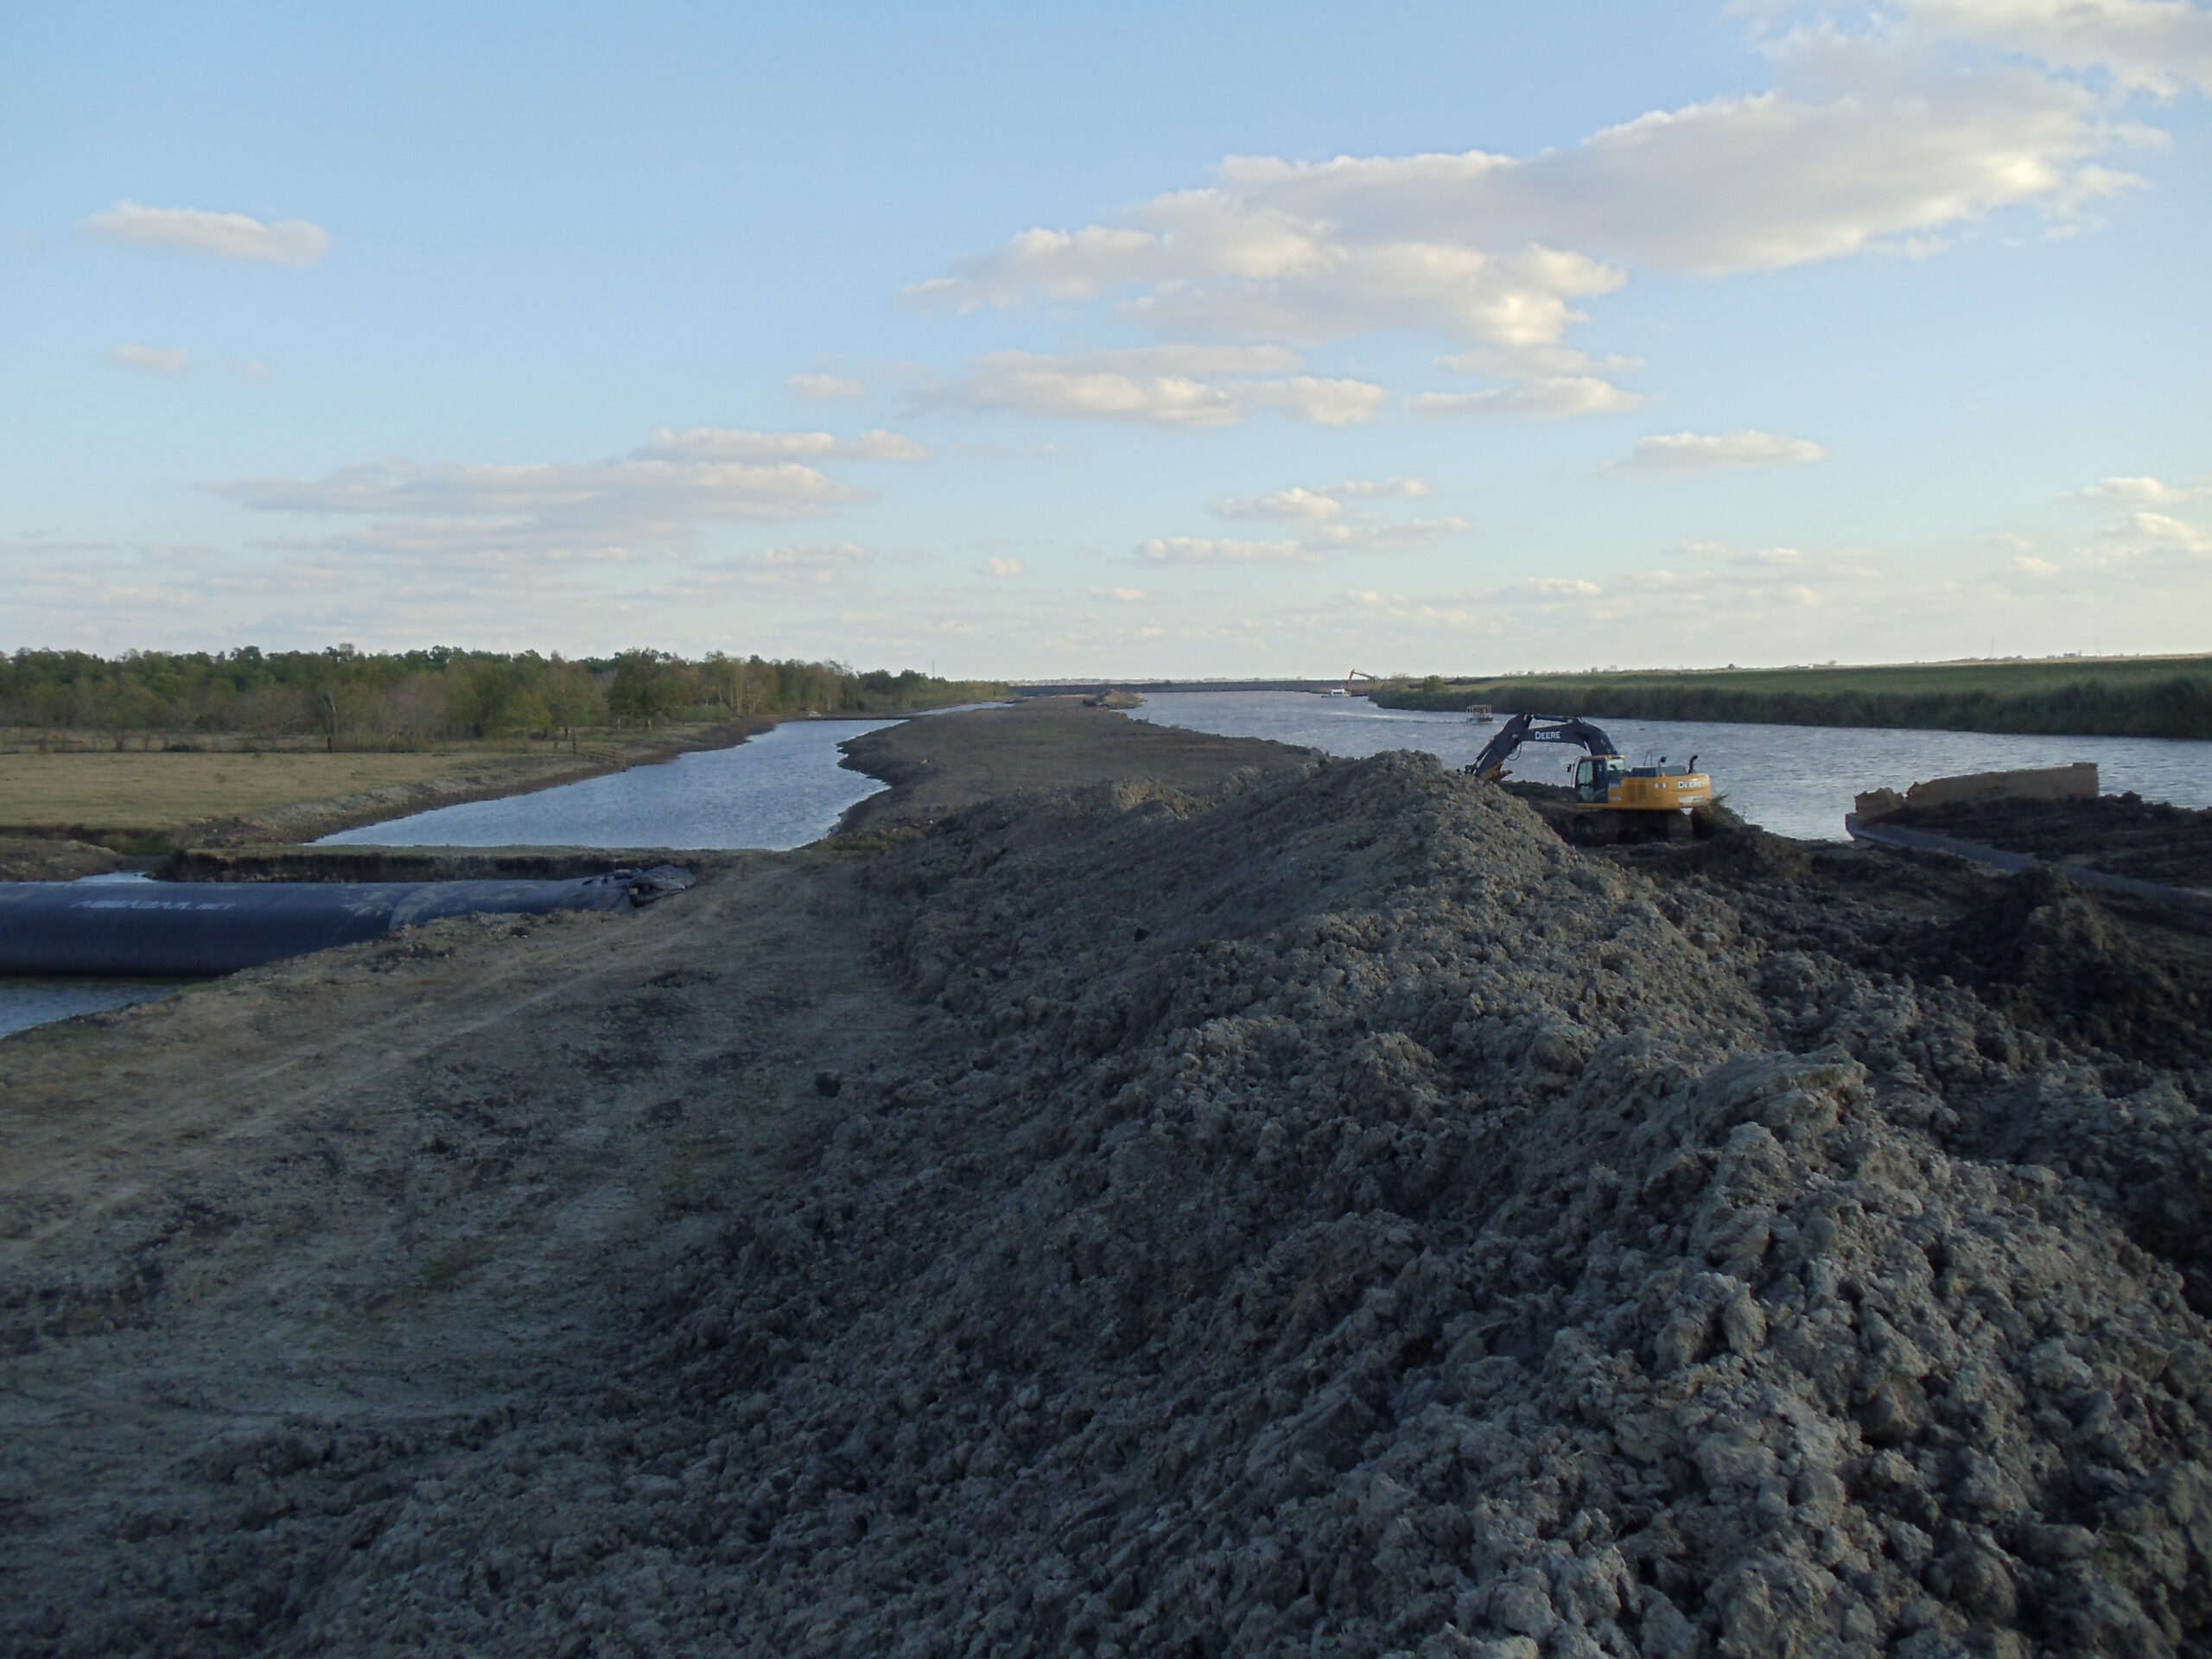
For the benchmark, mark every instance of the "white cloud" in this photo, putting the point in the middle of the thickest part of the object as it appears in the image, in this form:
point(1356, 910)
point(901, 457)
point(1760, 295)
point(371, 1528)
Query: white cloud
point(1002, 568)
point(1126, 595)
point(2145, 493)
point(1865, 143)
point(1404, 489)
point(1198, 550)
point(1549, 398)
point(1495, 250)
point(154, 359)
point(1157, 386)
point(824, 388)
point(1694, 452)
point(508, 514)
point(2174, 532)
point(226, 236)
point(1328, 522)
point(726, 443)
point(2158, 46)
point(1515, 361)
point(1308, 506)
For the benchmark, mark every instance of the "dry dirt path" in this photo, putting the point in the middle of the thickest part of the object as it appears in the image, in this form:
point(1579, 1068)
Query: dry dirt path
point(398, 1184)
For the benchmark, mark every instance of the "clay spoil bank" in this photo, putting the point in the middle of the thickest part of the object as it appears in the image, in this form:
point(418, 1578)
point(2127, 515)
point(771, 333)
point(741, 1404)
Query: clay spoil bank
point(2122, 835)
point(1325, 1213)
point(939, 764)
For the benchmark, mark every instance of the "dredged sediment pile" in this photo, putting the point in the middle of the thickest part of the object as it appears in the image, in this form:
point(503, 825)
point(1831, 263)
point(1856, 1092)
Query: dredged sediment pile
point(1339, 1217)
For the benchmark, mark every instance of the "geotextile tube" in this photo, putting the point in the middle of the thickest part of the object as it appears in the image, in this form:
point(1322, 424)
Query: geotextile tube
point(207, 927)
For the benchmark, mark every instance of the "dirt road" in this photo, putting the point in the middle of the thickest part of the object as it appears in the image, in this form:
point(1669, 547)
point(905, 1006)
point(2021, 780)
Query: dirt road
point(387, 1188)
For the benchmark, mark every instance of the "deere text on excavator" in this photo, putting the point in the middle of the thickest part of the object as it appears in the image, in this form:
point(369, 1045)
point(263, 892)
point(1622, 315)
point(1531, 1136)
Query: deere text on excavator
point(1613, 800)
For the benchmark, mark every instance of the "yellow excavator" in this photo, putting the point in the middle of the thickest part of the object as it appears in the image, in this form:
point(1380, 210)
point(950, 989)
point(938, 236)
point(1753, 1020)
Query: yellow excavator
point(1613, 800)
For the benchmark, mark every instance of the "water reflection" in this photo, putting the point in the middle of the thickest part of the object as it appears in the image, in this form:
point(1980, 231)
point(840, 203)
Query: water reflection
point(782, 789)
point(28, 1002)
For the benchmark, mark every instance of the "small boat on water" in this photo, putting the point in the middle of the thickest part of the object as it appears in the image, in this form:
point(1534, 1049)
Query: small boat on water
point(1480, 715)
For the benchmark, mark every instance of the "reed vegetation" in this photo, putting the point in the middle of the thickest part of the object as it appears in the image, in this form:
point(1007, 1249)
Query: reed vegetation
point(2141, 696)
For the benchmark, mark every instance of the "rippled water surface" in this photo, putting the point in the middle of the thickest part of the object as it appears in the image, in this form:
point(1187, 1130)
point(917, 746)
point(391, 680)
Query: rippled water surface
point(782, 789)
point(28, 1002)
point(1796, 780)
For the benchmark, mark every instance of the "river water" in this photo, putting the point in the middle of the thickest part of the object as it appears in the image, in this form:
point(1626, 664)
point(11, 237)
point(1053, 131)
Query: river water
point(780, 789)
point(1794, 781)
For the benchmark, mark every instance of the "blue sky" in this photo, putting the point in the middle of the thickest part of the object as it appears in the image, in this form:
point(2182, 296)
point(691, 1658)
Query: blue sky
point(1211, 339)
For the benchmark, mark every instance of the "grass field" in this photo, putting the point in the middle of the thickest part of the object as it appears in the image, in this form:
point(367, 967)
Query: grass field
point(2155, 696)
point(156, 791)
point(149, 793)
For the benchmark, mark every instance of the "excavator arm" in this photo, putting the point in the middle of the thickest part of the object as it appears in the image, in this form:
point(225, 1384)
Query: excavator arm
point(1490, 765)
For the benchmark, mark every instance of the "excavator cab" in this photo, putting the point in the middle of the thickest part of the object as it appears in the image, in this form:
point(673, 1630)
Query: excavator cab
point(1594, 777)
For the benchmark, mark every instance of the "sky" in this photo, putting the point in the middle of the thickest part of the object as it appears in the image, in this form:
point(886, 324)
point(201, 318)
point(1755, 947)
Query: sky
point(1193, 340)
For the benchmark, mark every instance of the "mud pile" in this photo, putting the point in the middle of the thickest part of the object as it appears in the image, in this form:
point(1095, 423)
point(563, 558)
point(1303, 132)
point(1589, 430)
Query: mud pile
point(1338, 1218)
point(2123, 834)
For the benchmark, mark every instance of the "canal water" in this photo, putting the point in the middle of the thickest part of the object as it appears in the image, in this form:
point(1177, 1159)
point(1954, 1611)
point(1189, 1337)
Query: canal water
point(780, 789)
point(785, 788)
point(1794, 781)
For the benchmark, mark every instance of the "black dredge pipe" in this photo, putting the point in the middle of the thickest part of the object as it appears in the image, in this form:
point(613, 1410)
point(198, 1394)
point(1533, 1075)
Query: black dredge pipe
point(156, 928)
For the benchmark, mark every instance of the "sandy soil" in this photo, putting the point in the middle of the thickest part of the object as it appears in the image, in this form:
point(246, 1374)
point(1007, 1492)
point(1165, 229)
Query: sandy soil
point(1317, 1212)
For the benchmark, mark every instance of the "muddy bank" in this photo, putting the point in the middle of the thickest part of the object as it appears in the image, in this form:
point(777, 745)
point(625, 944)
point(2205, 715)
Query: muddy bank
point(29, 859)
point(2122, 835)
point(1322, 1213)
point(935, 766)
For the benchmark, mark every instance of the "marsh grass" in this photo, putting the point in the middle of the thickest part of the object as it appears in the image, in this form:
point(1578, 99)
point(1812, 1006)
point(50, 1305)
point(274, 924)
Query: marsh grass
point(2162, 696)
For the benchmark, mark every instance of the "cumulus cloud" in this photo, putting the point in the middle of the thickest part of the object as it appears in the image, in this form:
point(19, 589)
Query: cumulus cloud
point(1326, 522)
point(293, 242)
point(2174, 532)
point(1694, 452)
point(1497, 250)
point(726, 443)
point(824, 388)
point(2145, 493)
point(154, 359)
point(1002, 568)
point(1171, 386)
point(1200, 549)
point(2156, 46)
point(1865, 143)
point(1548, 398)
point(603, 511)
point(1125, 595)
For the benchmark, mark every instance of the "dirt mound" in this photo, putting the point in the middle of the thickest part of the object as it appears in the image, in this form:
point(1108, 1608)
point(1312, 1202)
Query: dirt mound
point(1338, 1217)
point(2053, 957)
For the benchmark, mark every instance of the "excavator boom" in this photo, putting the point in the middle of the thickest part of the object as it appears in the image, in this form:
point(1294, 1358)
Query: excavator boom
point(1537, 728)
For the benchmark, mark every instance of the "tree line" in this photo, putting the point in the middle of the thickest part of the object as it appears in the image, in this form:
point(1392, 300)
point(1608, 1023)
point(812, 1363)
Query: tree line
point(2141, 698)
point(400, 699)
